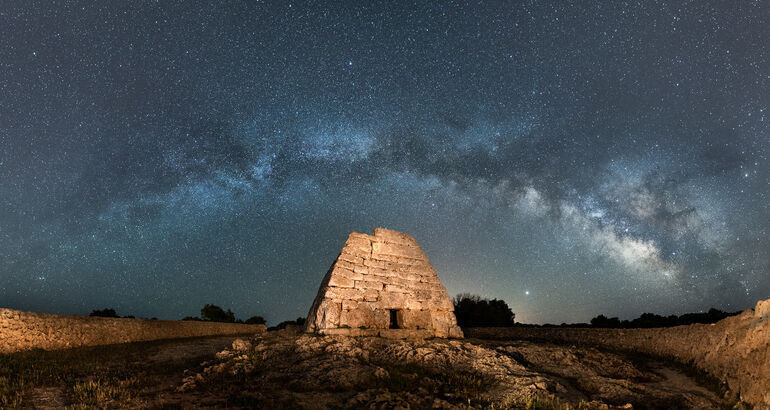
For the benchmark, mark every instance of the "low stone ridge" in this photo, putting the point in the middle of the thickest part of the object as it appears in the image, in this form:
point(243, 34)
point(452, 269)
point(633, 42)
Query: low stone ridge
point(27, 330)
point(735, 350)
point(378, 280)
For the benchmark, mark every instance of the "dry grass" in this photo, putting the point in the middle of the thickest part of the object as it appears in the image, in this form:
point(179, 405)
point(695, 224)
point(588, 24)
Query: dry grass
point(91, 376)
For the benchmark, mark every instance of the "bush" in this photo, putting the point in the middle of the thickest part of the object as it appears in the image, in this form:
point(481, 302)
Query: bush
point(255, 320)
point(648, 320)
point(300, 322)
point(104, 313)
point(475, 311)
point(213, 313)
point(604, 321)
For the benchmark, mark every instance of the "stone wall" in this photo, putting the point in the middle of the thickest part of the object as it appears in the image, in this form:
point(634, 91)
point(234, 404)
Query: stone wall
point(25, 330)
point(736, 350)
point(377, 274)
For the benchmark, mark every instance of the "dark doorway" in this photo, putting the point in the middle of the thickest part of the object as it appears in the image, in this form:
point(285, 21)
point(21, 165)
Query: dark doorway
point(394, 319)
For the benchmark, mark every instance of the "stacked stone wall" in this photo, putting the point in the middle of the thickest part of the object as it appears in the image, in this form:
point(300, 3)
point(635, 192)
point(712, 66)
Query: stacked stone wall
point(375, 274)
point(736, 350)
point(26, 330)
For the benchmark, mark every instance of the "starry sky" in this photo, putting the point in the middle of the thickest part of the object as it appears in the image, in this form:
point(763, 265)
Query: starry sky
point(571, 158)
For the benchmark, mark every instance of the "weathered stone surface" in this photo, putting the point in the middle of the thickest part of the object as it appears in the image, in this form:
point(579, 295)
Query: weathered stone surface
point(416, 319)
point(361, 316)
point(375, 275)
point(328, 314)
point(341, 281)
point(21, 331)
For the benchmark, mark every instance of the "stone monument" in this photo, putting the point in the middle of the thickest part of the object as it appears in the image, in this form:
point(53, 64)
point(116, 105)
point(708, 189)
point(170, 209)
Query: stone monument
point(382, 285)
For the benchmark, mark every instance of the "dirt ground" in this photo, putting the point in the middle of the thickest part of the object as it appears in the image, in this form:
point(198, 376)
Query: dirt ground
point(289, 370)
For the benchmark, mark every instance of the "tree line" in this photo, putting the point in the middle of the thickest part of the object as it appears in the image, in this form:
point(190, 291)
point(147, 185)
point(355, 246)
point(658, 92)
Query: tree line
point(475, 311)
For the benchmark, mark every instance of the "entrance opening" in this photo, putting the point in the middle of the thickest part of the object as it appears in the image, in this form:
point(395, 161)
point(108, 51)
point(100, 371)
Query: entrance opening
point(394, 319)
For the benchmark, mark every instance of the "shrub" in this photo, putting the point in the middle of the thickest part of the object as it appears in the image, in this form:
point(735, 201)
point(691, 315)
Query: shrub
point(214, 313)
point(255, 320)
point(475, 311)
point(104, 313)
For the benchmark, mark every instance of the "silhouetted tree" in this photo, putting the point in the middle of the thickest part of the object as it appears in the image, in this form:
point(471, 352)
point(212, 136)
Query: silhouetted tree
point(475, 311)
point(255, 320)
point(299, 322)
point(213, 313)
point(604, 321)
point(192, 318)
point(648, 320)
point(104, 313)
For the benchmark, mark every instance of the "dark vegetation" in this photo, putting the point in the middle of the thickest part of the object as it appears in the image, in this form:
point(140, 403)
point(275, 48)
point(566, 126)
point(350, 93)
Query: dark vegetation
point(299, 322)
point(209, 313)
point(255, 320)
point(647, 320)
point(652, 320)
point(214, 313)
point(475, 311)
point(104, 313)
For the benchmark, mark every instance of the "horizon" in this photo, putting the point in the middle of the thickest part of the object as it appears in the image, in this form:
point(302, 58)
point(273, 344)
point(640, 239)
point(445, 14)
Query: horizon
point(571, 160)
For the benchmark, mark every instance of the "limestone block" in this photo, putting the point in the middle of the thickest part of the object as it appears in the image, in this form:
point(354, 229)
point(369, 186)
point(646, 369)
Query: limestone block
point(359, 243)
point(381, 318)
point(455, 332)
point(394, 236)
point(376, 271)
point(359, 236)
point(349, 304)
point(340, 294)
point(362, 315)
point(415, 319)
point(439, 304)
point(384, 248)
point(390, 300)
point(346, 273)
point(414, 304)
point(371, 295)
point(328, 314)
point(350, 257)
point(374, 263)
point(361, 269)
point(395, 288)
point(341, 282)
point(368, 284)
point(423, 294)
point(344, 264)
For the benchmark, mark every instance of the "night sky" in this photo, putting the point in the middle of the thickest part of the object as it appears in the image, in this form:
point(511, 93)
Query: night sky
point(572, 159)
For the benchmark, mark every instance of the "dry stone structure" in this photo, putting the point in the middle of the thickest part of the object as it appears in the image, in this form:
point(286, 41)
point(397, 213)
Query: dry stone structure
point(27, 330)
point(382, 285)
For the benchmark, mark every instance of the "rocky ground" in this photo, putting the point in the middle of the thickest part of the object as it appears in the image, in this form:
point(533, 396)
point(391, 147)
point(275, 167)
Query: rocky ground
point(291, 370)
point(288, 369)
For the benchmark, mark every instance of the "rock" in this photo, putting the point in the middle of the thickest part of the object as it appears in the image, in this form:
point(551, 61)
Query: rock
point(240, 345)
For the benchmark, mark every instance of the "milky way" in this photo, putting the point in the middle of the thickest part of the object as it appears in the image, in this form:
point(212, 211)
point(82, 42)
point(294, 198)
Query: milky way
point(569, 159)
